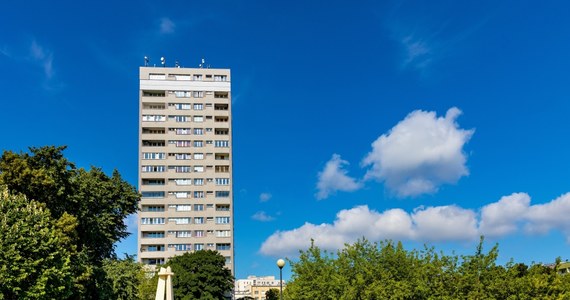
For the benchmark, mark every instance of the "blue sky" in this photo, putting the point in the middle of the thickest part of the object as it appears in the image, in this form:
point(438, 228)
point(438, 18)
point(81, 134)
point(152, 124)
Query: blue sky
point(426, 122)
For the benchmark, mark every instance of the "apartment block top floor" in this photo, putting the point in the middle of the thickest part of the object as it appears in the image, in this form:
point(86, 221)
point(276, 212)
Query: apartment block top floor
point(184, 74)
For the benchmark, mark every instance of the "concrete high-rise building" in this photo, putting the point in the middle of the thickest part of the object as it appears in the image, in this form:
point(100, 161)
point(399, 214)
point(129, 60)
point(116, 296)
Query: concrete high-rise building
point(185, 163)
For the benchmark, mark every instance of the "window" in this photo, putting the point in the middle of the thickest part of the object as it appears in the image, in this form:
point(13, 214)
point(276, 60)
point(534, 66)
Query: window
point(209, 205)
point(198, 207)
point(198, 155)
point(156, 76)
point(180, 195)
point(222, 194)
point(220, 77)
point(153, 208)
point(221, 247)
point(198, 247)
point(198, 194)
point(153, 118)
point(198, 119)
point(198, 220)
point(154, 93)
point(183, 181)
point(181, 118)
point(152, 143)
point(199, 181)
point(198, 94)
point(152, 221)
point(153, 169)
point(199, 233)
point(182, 94)
point(181, 76)
point(198, 131)
point(198, 106)
point(222, 181)
point(179, 221)
point(198, 144)
point(154, 155)
point(153, 181)
point(197, 77)
point(182, 106)
point(221, 106)
point(183, 143)
point(183, 169)
point(153, 234)
point(222, 220)
point(183, 156)
point(153, 261)
point(223, 207)
point(183, 233)
point(198, 169)
point(154, 248)
point(222, 144)
point(181, 247)
point(182, 131)
point(223, 233)
point(181, 207)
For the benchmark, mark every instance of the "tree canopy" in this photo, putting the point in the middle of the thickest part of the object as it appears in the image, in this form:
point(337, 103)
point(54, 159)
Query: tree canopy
point(386, 270)
point(200, 275)
point(89, 205)
point(272, 294)
point(34, 260)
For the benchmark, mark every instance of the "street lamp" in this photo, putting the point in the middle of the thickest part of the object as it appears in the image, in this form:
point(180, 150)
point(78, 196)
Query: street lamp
point(281, 264)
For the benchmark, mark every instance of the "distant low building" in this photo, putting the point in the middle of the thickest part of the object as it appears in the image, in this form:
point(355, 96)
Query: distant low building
point(255, 287)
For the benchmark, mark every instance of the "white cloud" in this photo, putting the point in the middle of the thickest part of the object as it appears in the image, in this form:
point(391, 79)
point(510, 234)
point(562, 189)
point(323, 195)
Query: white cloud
point(262, 217)
point(334, 178)
point(43, 57)
point(501, 218)
point(427, 224)
point(420, 153)
point(264, 197)
point(167, 26)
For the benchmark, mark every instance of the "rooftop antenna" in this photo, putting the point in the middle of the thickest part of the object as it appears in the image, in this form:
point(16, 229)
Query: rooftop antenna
point(203, 64)
point(176, 64)
point(146, 60)
point(162, 61)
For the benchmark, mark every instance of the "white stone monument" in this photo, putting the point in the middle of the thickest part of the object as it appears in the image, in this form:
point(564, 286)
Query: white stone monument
point(164, 287)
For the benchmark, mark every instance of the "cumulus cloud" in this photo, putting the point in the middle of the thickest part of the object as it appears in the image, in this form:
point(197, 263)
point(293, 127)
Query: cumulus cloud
point(427, 224)
point(167, 26)
point(334, 178)
point(420, 153)
point(262, 217)
point(264, 197)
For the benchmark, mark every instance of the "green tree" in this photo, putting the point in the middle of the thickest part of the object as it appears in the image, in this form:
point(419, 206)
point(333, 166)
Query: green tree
point(127, 280)
point(200, 275)
point(98, 203)
point(34, 261)
point(272, 294)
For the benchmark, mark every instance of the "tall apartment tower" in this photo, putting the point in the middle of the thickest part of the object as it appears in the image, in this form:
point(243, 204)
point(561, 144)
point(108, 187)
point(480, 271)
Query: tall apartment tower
point(185, 163)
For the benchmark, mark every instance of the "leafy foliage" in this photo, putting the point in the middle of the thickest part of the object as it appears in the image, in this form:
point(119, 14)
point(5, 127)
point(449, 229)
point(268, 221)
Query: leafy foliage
point(33, 263)
point(127, 280)
point(89, 205)
point(272, 294)
point(386, 270)
point(200, 275)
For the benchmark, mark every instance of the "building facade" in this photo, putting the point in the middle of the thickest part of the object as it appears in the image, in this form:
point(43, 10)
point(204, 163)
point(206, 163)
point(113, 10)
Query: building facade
point(255, 287)
point(185, 163)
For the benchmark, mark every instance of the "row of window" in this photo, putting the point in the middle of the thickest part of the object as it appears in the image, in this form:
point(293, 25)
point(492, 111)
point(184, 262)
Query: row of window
point(185, 195)
point(161, 260)
point(182, 143)
point(187, 247)
point(182, 220)
point(185, 207)
point(184, 169)
point(181, 118)
point(184, 156)
point(193, 77)
point(186, 106)
point(184, 233)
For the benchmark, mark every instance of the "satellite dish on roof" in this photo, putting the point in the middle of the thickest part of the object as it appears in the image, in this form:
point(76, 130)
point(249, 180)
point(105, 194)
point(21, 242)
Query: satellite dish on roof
point(162, 61)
